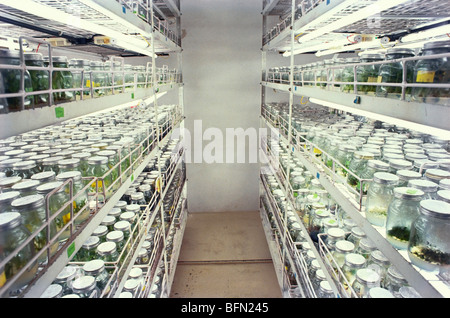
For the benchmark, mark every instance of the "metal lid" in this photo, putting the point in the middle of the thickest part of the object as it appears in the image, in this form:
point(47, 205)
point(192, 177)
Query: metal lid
point(91, 242)
point(379, 292)
point(115, 236)
point(60, 59)
point(29, 201)
point(81, 155)
point(385, 178)
point(435, 208)
point(352, 60)
point(100, 230)
point(443, 195)
point(115, 212)
point(106, 248)
point(400, 164)
point(7, 197)
point(67, 272)
point(355, 260)
point(408, 193)
point(399, 50)
point(136, 272)
point(372, 56)
point(130, 285)
point(127, 216)
point(94, 267)
point(69, 163)
point(98, 160)
point(137, 196)
point(437, 44)
point(367, 275)
point(25, 185)
point(120, 204)
point(344, 246)
point(51, 160)
point(108, 220)
point(408, 174)
point(27, 164)
point(437, 174)
point(357, 231)
point(325, 287)
point(424, 185)
point(84, 284)
point(9, 220)
point(9, 181)
point(378, 164)
point(52, 291)
point(106, 153)
point(378, 256)
point(9, 162)
point(74, 175)
point(393, 272)
point(122, 226)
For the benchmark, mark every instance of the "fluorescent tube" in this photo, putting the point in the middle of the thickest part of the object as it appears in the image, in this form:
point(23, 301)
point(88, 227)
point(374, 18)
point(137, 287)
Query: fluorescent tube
point(439, 31)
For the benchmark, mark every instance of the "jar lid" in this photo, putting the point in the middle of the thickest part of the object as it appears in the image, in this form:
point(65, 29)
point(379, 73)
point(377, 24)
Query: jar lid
point(357, 231)
point(9, 181)
point(68, 163)
point(444, 195)
point(142, 252)
point(9, 220)
point(29, 201)
point(435, 208)
point(137, 196)
point(135, 272)
point(44, 176)
point(115, 236)
point(91, 242)
point(428, 164)
point(379, 292)
point(344, 246)
point(322, 213)
point(408, 193)
point(122, 226)
point(120, 204)
point(367, 244)
point(355, 260)
point(424, 185)
point(115, 212)
point(84, 284)
point(437, 174)
point(315, 264)
point(408, 174)
point(352, 60)
point(51, 160)
point(106, 248)
point(325, 287)
point(393, 272)
point(79, 62)
point(74, 175)
point(379, 257)
point(367, 275)
point(25, 185)
point(436, 45)
point(444, 184)
point(33, 56)
point(94, 267)
point(66, 273)
point(106, 153)
point(52, 291)
point(108, 220)
point(50, 186)
point(130, 284)
point(400, 164)
point(27, 164)
point(144, 188)
point(7, 197)
point(100, 230)
point(385, 178)
point(98, 160)
point(81, 155)
point(399, 50)
point(330, 222)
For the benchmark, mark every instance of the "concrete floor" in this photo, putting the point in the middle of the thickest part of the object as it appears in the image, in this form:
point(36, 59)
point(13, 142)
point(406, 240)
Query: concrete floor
point(225, 255)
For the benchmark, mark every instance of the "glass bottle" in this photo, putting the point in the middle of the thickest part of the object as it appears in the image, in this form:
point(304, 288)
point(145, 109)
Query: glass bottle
point(403, 210)
point(107, 251)
point(96, 268)
point(39, 78)
point(429, 188)
point(143, 257)
point(33, 212)
point(432, 71)
point(86, 287)
point(88, 250)
point(83, 165)
point(344, 156)
point(365, 280)
point(81, 199)
point(66, 165)
point(146, 190)
point(379, 197)
point(352, 263)
point(368, 73)
point(428, 246)
point(317, 222)
point(12, 234)
point(313, 268)
point(392, 72)
point(394, 281)
point(62, 80)
point(12, 81)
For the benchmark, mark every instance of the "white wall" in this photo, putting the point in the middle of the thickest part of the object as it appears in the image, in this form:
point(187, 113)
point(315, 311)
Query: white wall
point(221, 70)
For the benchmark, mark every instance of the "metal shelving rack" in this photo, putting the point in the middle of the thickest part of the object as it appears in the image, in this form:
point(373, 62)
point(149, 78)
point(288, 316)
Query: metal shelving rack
point(313, 21)
point(127, 30)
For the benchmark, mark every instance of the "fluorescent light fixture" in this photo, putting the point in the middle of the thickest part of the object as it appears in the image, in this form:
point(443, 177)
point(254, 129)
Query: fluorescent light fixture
point(321, 46)
point(359, 15)
point(52, 14)
point(392, 120)
point(439, 31)
point(358, 46)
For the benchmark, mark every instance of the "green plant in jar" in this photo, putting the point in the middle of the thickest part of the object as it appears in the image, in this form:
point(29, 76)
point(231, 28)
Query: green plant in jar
point(62, 80)
point(429, 71)
point(81, 77)
point(80, 197)
point(113, 160)
point(358, 165)
point(142, 79)
point(99, 78)
point(88, 250)
point(98, 167)
point(392, 72)
point(25, 169)
point(39, 78)
point(12, 234)
point(348, 74)
point(32, 209)
point(368, 73)
point(12, 82)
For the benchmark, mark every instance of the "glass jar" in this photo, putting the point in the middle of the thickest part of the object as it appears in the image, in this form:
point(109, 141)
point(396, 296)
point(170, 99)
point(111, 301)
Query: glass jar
point(25, 169)
point(26, 187)
point(86, 287)
point(313, 268)
point(379, 292)
point(342, 248)
point(66, 277)
point(51, 164)
point(379, 196)
point(66, 165)
point(436, 175)
point(6, 166)
point(6, 198)
point(118, 238)
point(109, 222)
point(141, 76)
point(399, 164)
point(107, 252)
point(101, 232)
point(403, 210)
point(146, 190)
point(366, 279)
point(317, 222)
point(443, 195)
point(62, 80)
point(131, 286)
point(33, 212)
point(428, 244)
point(429, 188)
point(143, 257)
point(53, 291)
point(56, 201)
point(88, 250)
point(39, 78)
point(11, 83)
point(394, 281)
point(137, 198)
point(137, 274)
point(379, 263)
point(98, 167)
point(365, 247)
point(295, 231)
point(325, 290)
point(81, 77)
point(348, 74)
point(83, 166)
point(405, 176)
point(12, 234)
point(369, 73)
point(356, 235)
point(432, 71)
point(392, 72)
point(96, 268)
point(352, 263)
point(81, 196)
point(344, 156)
point(373, 166)
point(99, 78)
point(358, 165)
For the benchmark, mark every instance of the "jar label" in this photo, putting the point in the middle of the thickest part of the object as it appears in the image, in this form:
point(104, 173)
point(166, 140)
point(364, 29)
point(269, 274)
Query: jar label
point(2, 279)
point(380, 79)
point(425, 76)
point(373, 79)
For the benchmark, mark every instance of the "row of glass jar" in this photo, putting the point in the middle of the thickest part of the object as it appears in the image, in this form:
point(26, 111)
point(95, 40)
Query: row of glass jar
point(102, 77)
point(422, 71)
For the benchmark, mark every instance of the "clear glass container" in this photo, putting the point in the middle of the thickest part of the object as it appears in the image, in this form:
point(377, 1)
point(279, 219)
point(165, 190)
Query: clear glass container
point(142, 80)
point(53, 291)
point(51, 164)
point(325, 290)
point(143, 257)
point(81, 78)
point(137, 274)
point(96, 268)
point(81, 200)
point(394, 281)
point(372, 167)
point(118, 238)
point(379, 196)
point(107, 252)
point(352, 263)
point(428, 244)
point(66, 165)
point(6, 198)
point(432, 71)
point(342, 248)
point(379, 292)
point(348, 74)
point(403, 210)
point(147, 191)
point(137, 198)
point(83, 166)
point(12, 234)
point(11, 83)
point(39, 78)
point(99, 78)
point(62, 80)
point(405, 176)
point(313, 268)
point(109, 222)
point(429, 188)
point(399, 164)
point(344, 156)
point(26, 187)
point(88, 250)
point(365, 247)
point(101, 232)
point(131, 286)
point(356, 234)
point(98, 167)
point(366, 279)
point(316, 223)
point(32, 209)
point(392, 72)
point(25, 169)
point(379, 263)
point(358, 165)
point(368, 73)
point(86, 287)
point(66, 277)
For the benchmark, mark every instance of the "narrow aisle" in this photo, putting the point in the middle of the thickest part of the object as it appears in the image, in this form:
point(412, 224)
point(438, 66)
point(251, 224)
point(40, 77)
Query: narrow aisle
point(225, 254)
